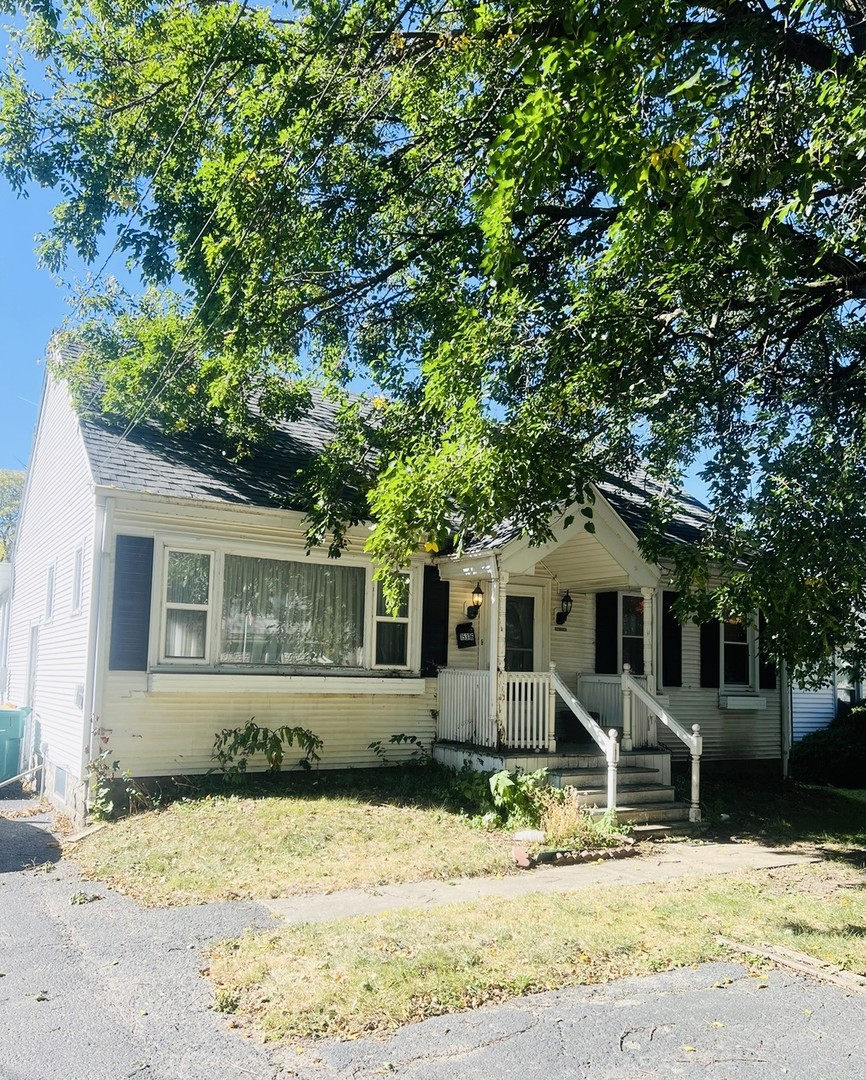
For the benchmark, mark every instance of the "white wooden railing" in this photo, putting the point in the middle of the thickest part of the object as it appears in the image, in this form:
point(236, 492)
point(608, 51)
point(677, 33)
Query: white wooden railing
point(602, 695)
point(464, 708)
point(606, 741)
point(631, 690)
point(530, 711)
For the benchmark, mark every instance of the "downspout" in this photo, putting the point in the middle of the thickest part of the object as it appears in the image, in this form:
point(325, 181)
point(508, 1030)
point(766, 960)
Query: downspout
point(96, 631)
point(787, 734)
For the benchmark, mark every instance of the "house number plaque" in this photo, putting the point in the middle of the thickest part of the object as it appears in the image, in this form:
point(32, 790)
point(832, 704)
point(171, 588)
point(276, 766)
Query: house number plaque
point(466, 636)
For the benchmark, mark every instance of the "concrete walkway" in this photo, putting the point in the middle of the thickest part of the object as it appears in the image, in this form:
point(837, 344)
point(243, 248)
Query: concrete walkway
point(680, 861)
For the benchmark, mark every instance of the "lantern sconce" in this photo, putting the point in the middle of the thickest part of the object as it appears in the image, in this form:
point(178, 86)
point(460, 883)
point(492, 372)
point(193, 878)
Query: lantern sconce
point(565, 604)
point(477, 600)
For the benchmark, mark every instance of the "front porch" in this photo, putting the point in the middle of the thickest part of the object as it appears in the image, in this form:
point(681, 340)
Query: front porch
point(609, 754)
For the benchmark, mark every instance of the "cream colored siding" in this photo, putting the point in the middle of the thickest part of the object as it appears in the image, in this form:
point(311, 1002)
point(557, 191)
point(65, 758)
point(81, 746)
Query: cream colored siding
point(572, 646)
point(583, 563)
point(160, 734)
point(727, 734)
point(157, 732)
point(812, 710)
point(459, 596)
point(57, 519)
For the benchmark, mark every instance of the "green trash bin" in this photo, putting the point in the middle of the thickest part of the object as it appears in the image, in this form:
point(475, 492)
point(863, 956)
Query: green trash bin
point(11, 734)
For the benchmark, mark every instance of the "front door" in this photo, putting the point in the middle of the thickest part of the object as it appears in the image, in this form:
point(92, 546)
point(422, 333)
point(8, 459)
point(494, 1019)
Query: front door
point(520, 633)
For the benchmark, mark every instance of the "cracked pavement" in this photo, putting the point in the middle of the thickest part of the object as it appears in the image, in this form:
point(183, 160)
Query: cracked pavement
point(94, 987)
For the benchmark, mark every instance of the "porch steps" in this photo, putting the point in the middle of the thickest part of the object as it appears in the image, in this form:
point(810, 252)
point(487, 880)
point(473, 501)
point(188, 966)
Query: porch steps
point(596, 776)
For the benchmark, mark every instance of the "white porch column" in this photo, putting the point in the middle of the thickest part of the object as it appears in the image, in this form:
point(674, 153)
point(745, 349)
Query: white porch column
point(649, 636)
point(496, 661)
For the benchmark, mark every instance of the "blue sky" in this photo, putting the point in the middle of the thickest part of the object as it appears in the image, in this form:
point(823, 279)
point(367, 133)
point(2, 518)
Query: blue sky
point(31, 306)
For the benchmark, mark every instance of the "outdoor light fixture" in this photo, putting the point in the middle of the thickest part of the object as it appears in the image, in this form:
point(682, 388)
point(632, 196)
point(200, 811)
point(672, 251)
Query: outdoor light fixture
point(566, 604)
point(477, 600)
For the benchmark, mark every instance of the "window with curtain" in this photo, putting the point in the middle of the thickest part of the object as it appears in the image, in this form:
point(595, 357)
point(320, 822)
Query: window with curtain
point(392, 631)
point(292, 613)
point(187, 605)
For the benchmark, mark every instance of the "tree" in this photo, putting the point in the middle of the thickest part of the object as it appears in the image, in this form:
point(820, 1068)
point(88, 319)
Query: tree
point(11, 490)
point(560, 239)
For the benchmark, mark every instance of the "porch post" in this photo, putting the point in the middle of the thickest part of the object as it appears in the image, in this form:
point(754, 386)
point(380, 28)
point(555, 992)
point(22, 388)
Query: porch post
point(496, 662)
point(649, 636)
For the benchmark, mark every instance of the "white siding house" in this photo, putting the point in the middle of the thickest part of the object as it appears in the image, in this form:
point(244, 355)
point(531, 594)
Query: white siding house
point(162, 592)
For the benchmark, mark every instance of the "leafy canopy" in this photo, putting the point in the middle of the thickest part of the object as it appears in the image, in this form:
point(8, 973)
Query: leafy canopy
point(11, 490)
point(559, 238)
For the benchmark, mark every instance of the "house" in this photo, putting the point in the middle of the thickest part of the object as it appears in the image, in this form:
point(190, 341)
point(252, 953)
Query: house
point(162, 593)
point(814, 709)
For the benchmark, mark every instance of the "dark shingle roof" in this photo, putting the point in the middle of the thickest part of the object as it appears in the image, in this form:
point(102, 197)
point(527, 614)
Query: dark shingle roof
point(200, 466)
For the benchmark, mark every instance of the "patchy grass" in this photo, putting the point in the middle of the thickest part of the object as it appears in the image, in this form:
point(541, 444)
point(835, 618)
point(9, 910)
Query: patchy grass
point(373, 973)
point(305, 834)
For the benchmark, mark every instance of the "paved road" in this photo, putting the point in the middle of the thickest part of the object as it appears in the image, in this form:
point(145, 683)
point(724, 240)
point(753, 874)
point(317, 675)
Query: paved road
point(106, 990)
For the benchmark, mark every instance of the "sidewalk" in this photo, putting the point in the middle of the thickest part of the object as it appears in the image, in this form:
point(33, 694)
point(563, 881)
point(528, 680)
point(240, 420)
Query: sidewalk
point(683, 860)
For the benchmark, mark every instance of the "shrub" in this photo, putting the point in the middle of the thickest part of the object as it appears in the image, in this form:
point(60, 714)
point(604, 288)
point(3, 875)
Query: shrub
point(836, 755)
point(233, 747)
point(570, 825)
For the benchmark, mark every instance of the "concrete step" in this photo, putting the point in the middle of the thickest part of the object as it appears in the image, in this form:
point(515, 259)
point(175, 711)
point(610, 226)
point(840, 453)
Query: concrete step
point(655, 794)
point(626, 776)
point(651, 813)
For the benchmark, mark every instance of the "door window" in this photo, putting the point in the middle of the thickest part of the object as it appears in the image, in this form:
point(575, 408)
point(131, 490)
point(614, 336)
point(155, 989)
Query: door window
point(519, 633)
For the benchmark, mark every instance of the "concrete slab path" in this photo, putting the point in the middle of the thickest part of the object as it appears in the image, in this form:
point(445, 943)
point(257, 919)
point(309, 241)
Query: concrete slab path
point(677, 861)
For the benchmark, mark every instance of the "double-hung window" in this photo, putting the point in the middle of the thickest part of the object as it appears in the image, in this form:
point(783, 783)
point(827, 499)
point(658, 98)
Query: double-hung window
point(392, 631)
point(736, 655)
point(188, 588)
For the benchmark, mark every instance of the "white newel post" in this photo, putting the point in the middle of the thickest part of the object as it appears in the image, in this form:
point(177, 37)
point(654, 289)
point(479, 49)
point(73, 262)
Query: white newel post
point(496, 662)
point(697, 748)
point(650, 623)
point(551, 711)
point(612, 756)
point(627, 743)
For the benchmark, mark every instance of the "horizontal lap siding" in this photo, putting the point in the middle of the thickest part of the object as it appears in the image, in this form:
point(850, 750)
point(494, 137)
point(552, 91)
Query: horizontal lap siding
point(459, 598)
point(169, 734)
point(728, 734)
point(57, 518)
point(812, 710)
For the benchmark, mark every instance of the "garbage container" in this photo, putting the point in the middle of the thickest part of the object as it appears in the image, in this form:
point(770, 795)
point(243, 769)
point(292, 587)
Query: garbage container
point(11, 734)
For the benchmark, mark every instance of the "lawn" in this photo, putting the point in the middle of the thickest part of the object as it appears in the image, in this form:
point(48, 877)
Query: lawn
point(306, 833)
point(371, 974)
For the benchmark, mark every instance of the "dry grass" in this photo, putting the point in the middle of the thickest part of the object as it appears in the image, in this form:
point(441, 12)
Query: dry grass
point(373, 973)
point(222, 848)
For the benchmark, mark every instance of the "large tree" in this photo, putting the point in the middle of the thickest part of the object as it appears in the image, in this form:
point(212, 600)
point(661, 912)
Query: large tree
point(559, 238)
point(11, 490)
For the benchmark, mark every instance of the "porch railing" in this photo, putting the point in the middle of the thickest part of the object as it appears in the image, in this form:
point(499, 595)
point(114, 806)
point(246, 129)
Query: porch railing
point(529, 710)
point(632, 691)
point(602, 696)
point(464, 708)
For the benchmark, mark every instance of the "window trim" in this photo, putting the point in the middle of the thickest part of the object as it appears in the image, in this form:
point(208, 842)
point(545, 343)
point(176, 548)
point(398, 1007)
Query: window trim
point(620, 596)
point(164, 607)
point(77, 601)
point(218, 550)
point(390, 620)
point(50, 592)
point(751, 687)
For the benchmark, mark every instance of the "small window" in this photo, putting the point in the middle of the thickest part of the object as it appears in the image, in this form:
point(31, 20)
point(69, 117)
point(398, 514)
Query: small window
point(187, 604)
point(632, 633)
point(77, 580)
point(392, 631)
point(736, 654)
point(49, 593)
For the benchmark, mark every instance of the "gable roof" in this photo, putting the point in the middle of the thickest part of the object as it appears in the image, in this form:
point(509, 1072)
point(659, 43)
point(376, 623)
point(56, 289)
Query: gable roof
point(198, 466)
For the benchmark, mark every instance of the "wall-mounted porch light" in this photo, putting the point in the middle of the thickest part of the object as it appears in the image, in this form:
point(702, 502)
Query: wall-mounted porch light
point(477, 600)
point(565, 605)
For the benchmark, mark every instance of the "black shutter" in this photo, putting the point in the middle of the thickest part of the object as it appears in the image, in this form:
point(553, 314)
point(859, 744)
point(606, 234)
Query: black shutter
point(711, 644)
point(766, 667)
point(672, 643)
point(606, 627)
point(130, 610)
point(434, 623)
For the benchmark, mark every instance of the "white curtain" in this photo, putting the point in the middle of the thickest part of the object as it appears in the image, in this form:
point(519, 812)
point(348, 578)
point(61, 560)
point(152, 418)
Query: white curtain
point(304, 614)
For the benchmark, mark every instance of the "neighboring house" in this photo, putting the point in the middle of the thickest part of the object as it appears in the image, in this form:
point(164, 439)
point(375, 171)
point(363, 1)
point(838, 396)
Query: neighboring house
point(813, 710)
point(162, 593)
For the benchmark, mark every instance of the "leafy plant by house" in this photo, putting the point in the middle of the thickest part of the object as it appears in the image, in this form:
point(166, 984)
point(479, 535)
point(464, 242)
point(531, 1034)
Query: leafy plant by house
point(419, 755)
point(234, 747)
point(836, 755)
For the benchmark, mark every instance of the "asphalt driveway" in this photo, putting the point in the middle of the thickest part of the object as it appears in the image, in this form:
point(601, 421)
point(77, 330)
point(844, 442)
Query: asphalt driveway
point(101, 989)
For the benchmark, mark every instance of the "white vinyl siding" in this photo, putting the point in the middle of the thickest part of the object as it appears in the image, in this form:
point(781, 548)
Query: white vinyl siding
point(57, 513)
point(812, 710)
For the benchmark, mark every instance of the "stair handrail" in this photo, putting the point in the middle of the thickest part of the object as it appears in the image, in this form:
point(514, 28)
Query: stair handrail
point(693, 739)
point(606, 741)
